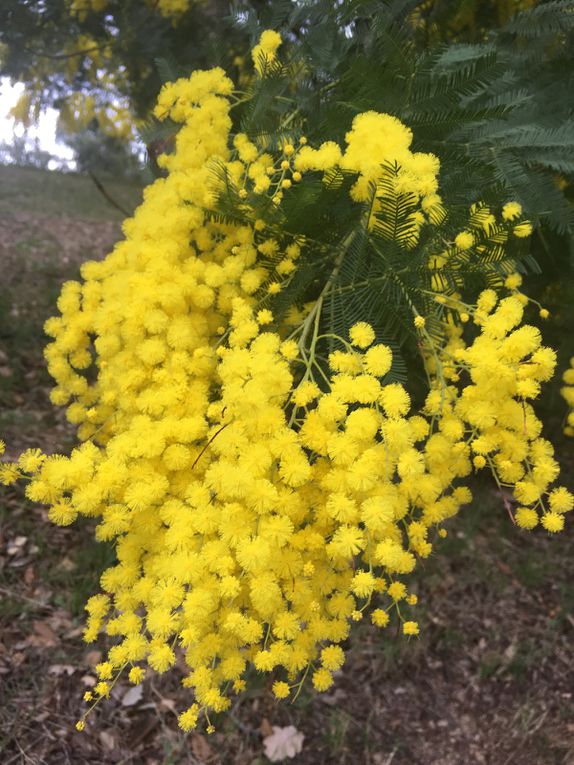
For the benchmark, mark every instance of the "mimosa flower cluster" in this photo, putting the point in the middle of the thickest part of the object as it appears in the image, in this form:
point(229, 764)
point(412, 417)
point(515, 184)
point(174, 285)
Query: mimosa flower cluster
point(487, 392)
point(258, 512)
point(378, 151)
point(241, 539)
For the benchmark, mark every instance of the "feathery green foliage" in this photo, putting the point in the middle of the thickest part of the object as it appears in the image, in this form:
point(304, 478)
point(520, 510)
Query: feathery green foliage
point(485, 109)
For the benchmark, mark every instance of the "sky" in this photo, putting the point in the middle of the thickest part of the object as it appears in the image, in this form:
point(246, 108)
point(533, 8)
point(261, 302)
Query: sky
point(44, 131)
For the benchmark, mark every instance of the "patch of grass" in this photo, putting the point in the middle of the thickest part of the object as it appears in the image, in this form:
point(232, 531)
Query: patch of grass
point(75, 577)
point(75, 585)
point(450, 638)
point(489, 665)
point(45, 192)
point(532, 571)
point(53, 222)
point(563, 617)
point(11, 608)
point(392, 651)
point(337, 728)
point(72, 574)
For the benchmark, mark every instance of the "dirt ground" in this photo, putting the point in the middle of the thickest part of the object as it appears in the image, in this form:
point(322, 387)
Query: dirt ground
point(490, 681)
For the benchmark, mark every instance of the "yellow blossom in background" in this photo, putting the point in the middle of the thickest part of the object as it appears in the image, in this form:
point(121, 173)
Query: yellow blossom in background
point(171, 7)
point(168, 8)
point(92, 59)
point(23, 112)
point(567, 392)
point(83, 7)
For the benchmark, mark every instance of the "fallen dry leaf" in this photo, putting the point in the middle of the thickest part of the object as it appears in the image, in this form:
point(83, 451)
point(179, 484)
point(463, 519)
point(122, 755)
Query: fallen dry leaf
point(132, 696)
point(201, 749)
point(108, 739)
point(168, 704)
point(332, 699)
point(266, 728)
point(16, 545)
point(44, 636)
point(92, 658)
point(74, 633)
point(61, 669)
point(282, 743)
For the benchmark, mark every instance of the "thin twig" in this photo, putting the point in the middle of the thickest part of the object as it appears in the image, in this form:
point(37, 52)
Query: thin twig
point(84, 51)
point(17, 596)
point(391, 756)
point(213, 437)
point(107, 196)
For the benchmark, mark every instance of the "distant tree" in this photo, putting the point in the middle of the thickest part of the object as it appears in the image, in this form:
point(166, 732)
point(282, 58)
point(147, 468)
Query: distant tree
point(101, 63)
point(95, 60)
point(100, 153)
point(22, 152)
